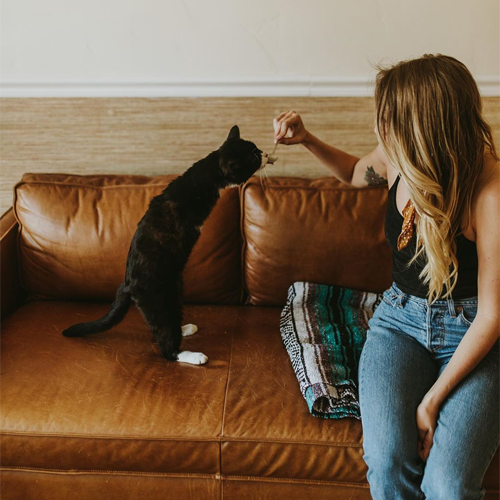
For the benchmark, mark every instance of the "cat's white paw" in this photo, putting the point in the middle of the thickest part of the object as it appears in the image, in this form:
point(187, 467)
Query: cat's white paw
point(189, 330)
point(193, 358)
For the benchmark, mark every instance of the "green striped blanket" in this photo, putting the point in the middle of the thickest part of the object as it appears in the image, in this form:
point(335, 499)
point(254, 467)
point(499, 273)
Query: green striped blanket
point(324, 328)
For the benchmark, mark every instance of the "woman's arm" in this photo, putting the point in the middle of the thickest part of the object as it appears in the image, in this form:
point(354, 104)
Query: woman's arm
point(370, 170)
point(485, 328)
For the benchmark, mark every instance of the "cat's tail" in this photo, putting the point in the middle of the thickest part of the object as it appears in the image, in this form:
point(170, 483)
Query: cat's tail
point(119, 309)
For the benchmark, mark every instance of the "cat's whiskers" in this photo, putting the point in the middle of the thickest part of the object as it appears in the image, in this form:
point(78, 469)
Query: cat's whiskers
point(266, 161)
point(260, 180)
point(262, 177)
point(267, 178)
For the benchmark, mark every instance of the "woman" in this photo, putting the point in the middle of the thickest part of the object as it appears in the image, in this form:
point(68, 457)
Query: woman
point(429, 370)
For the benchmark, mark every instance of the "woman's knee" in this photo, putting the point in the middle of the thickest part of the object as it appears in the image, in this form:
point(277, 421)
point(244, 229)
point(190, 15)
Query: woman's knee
point(447, 479)
point(466, 436)
point(392, 473)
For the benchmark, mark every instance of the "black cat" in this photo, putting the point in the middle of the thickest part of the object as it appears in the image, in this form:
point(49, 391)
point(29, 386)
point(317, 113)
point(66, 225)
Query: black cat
point(163, 242)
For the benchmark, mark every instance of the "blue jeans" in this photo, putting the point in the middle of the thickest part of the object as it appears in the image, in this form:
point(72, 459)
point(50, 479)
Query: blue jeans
point(408, 345)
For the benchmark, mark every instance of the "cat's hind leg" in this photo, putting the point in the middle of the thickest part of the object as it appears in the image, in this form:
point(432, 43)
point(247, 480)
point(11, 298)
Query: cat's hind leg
point(163, 313)
point(194, 358)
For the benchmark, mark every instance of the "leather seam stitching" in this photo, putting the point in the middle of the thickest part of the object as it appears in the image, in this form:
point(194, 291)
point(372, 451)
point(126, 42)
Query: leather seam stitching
point(88, 186)
point(115, 438)
point(18, 240)
point(314, 188)
point(215, 440)
point(182, 474)
point(296, 443)
point(291, 480)
point(226, 390)
point(106, 471)
point(249, 184)
point(244, 243)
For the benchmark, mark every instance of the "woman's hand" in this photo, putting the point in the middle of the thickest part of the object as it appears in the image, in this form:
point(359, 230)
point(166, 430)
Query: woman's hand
point(289, 128)
point(427, 413)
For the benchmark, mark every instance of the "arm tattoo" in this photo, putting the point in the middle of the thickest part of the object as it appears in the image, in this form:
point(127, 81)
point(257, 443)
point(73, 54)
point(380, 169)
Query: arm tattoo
point(374, 179)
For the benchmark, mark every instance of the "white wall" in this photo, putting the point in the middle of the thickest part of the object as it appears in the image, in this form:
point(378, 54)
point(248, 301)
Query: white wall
point(252, 47)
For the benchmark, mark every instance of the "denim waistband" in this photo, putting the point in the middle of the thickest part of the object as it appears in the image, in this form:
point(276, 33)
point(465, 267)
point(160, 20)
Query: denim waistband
point(441, 302)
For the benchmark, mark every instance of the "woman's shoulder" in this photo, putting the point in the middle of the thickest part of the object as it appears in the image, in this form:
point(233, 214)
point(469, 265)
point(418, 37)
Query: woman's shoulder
point(486, 198)
point(488, 183)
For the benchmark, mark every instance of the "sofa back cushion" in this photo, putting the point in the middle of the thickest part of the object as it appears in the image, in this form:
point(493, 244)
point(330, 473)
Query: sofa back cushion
point(318, 230)
point(75, 233)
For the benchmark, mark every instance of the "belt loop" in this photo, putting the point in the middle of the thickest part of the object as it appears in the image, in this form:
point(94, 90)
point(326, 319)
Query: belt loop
point(451, 307)
point(401, 299)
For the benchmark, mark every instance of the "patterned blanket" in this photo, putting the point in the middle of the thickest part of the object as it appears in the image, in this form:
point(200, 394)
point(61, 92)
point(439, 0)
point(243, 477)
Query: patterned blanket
point(324, 328)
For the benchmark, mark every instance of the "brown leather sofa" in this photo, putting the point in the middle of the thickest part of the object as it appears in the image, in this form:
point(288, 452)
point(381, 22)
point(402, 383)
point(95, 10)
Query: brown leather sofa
point(105, 417)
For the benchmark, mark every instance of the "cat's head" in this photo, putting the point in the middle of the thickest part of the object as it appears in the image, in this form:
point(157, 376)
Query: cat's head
point(239, 159)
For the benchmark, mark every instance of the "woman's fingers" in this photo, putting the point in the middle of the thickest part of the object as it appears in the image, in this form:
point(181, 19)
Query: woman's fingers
point(287, 124)
point(425, 442)
point(277, 122)
point(280, 116)
point(288, 128)
point(283, 129)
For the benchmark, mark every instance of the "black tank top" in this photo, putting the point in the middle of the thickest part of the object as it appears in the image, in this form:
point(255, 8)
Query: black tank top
point(408, 279)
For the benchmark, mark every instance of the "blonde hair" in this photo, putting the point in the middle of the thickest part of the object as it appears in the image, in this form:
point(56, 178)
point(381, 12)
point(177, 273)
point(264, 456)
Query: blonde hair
point(428, 118)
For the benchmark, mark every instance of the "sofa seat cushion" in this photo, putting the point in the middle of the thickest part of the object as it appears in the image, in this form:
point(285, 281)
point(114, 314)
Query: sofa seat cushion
point(109, 401)
point(268, 430)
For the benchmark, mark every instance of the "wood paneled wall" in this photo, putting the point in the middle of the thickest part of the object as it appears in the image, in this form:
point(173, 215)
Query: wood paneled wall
point(167, 135)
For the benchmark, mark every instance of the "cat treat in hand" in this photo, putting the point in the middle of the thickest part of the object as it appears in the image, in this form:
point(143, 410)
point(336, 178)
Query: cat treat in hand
point(163, 241)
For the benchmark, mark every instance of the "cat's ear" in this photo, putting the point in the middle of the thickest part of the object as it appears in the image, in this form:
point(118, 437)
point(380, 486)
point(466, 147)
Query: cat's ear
point(234, 133)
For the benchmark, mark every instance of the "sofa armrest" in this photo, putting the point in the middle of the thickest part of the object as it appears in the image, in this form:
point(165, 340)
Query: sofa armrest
point(11, 293)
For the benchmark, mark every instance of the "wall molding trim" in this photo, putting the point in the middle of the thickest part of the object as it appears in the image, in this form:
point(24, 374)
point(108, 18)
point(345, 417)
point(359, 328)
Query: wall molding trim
point(210, 87)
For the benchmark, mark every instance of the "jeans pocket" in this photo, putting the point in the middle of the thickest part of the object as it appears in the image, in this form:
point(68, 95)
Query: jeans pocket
point(467, 313)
